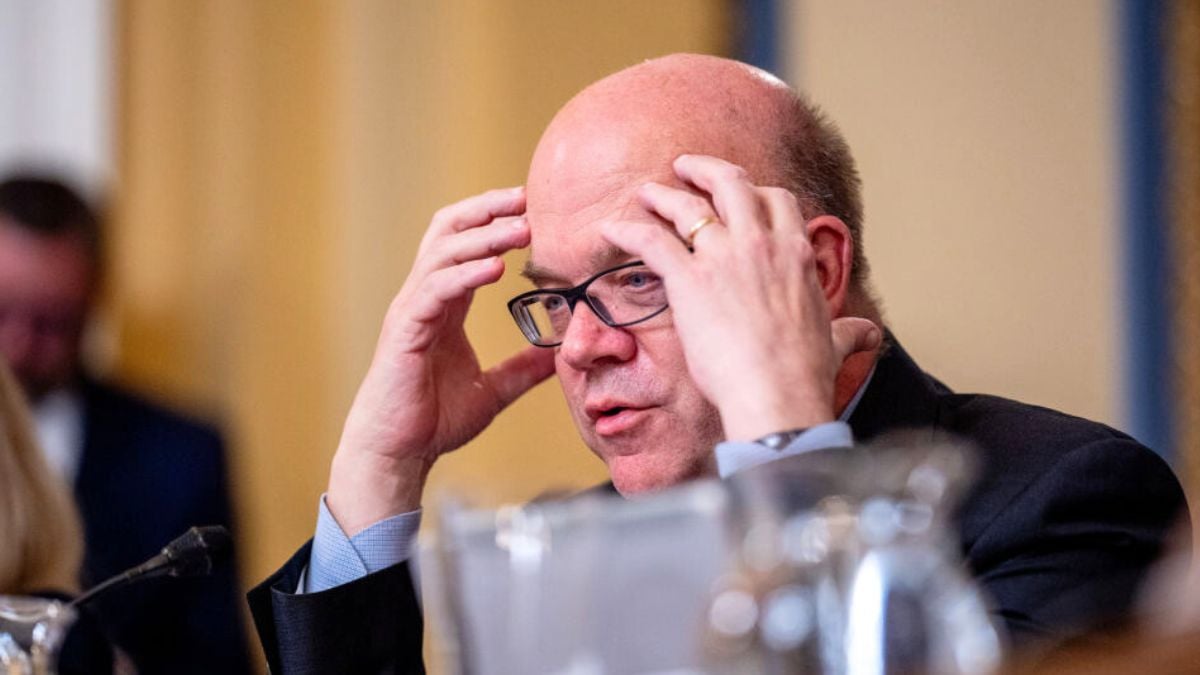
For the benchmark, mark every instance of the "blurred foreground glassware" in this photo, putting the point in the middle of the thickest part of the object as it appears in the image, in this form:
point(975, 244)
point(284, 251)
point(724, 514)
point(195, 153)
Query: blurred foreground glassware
point(31, 633)
point(848, 563)
point(587, 586)
point(841, 561)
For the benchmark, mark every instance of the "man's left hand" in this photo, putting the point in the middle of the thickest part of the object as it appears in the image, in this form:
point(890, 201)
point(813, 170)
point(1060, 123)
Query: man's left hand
point(747, 301)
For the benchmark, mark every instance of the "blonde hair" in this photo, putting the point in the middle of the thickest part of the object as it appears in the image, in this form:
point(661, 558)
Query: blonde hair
point(41, 541)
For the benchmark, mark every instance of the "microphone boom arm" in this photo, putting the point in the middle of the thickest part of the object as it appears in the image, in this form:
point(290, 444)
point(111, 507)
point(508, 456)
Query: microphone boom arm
point(192, 554)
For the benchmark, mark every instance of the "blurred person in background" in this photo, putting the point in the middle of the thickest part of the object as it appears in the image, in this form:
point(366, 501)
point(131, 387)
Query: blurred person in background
point(41, 540)
point(141, 474)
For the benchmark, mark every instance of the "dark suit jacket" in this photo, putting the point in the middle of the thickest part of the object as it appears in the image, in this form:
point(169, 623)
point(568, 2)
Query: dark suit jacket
point(147, 475)
point(1066, 519)
point(1067, 515)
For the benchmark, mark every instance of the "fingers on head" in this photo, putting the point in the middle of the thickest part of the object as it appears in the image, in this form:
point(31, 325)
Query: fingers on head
point(654, 244)
point(782, 206)
point(705, 171)
point(478, 210)
point(449, 284)
point(681, 208)
point(788, 226)
point(496, 238)
point(733, 194)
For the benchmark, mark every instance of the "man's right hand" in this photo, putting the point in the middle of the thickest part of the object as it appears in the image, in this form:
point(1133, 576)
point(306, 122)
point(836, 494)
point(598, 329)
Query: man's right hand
point(425, 394)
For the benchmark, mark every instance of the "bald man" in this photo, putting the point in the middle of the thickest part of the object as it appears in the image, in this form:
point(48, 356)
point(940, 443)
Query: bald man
point(701, 293)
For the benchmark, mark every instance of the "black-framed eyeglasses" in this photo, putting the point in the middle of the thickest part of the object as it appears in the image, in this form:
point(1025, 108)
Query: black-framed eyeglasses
point(620, 296)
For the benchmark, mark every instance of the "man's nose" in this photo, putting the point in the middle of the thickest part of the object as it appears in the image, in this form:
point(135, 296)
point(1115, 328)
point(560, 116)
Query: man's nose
point(589, 342)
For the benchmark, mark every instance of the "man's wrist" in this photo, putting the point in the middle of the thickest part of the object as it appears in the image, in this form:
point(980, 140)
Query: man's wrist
point(365, 488)
point(766, 402)
point(734, 456)
point(748, 422)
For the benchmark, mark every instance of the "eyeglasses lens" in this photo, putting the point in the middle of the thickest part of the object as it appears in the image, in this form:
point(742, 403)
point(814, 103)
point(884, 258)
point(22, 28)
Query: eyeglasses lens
point(620, 297)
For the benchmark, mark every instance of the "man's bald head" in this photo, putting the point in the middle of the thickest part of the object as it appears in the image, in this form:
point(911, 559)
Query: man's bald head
point(628, 128)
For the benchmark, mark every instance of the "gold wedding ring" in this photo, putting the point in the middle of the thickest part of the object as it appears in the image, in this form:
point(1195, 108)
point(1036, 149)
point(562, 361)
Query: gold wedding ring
point(700, 225)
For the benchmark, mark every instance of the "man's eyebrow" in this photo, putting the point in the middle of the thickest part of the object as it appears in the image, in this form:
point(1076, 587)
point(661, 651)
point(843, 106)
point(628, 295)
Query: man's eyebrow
point(541, 276)
point(600, 259)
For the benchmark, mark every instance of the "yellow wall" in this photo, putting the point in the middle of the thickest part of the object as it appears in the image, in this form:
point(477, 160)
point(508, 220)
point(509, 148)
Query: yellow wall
point(278, 162)
point(986, 136)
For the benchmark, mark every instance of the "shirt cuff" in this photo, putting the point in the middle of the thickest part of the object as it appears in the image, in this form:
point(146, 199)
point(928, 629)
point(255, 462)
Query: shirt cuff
point(337, 559)
point(735, 456)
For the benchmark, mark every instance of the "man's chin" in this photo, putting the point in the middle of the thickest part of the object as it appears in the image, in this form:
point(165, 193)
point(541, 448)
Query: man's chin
point(639, 474)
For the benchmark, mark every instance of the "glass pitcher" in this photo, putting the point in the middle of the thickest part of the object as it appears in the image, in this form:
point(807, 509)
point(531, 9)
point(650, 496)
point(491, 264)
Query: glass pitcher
point(586, 586)
point(31, 633)
point(848, 562)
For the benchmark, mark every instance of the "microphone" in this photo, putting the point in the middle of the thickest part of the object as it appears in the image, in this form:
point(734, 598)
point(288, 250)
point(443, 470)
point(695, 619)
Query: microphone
point(193, 554)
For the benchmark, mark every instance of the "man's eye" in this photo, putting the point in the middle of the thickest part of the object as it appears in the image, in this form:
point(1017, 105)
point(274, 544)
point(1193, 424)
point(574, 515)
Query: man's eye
point(553, 303)
point(639, 280)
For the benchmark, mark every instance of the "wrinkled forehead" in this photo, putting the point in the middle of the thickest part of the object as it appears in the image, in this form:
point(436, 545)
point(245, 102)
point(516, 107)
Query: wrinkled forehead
point(587, 170)
point(567, 246)
point(577, 184)
point(612, 139)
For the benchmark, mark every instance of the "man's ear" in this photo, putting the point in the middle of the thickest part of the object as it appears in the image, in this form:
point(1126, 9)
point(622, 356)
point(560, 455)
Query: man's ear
point(833, 249)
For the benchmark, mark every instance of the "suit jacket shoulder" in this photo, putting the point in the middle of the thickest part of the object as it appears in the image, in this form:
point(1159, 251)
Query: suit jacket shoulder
point(1067, 516)
point(114, 413)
